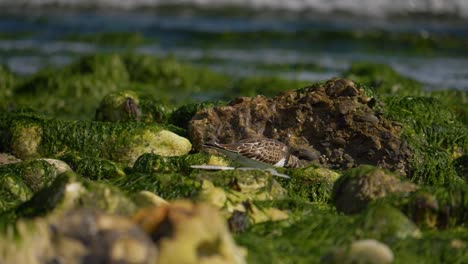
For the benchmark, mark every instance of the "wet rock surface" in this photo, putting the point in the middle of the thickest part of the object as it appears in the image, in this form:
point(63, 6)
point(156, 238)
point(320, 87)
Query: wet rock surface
point(78, 236)
point(87, 236)
point(335, 118)
point(188, 232)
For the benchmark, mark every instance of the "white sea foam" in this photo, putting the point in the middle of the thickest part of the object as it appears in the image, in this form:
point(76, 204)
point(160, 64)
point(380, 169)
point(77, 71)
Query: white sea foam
point(379, 8)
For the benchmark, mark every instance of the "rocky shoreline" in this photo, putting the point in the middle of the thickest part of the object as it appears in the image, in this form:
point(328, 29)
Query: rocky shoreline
point(96, 167)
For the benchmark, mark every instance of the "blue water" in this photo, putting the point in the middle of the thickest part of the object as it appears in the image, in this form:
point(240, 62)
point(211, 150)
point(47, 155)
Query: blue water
point(177, 33)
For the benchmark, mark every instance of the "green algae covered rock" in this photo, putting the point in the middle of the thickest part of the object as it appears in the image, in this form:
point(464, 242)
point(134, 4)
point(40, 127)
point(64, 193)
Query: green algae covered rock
point(311, 183)
point(69, 191)
point(243, 191)
point(437, 207)
point(30, 136)
point(94, 168)
point(336, 118)
point(359, 186)
point(386, 223)
point(127, 106)
point(19, 181)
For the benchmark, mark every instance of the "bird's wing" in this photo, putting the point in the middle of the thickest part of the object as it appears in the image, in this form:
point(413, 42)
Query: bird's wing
point(267, 151)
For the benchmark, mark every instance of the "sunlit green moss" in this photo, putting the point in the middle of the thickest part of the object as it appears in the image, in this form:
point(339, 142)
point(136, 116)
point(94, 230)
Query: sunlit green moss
point(457, 100)
point(433, 132)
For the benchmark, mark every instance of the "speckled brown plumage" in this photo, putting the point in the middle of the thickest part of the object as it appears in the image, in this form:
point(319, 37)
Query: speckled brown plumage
point(265, 150)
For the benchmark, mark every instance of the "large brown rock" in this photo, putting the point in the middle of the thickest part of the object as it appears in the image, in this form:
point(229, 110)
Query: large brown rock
point(335, 118)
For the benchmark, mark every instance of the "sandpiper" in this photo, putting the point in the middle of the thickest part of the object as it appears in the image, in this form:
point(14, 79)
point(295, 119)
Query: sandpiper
point(259, 153)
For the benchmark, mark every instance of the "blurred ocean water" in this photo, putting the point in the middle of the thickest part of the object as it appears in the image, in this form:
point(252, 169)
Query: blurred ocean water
point(423, 39)
point(378, 8)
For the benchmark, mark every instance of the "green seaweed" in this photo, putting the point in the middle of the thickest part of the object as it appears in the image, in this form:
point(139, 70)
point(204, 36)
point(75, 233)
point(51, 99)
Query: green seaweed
point(31, 136)
point(94, 168)
point(432, 131)
point(75, 91)
point(169, 186)
point(152, 163)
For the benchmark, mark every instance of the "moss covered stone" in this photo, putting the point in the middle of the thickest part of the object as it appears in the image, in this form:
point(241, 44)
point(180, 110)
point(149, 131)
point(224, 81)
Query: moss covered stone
point(127, 106)
point(359, 186)
point(438, 207)
point(311, 183)
point(386, 223)
point(69, 191)
point(19, 181)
